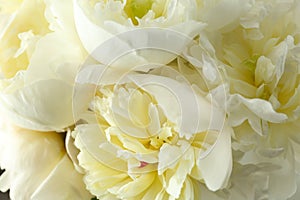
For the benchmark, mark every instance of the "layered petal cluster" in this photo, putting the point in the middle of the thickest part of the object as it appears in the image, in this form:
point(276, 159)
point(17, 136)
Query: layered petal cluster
point(100, 20)
point(264, 165)
point(151, 136)
point(258, 56)
point(261, 63)
point(36, 72)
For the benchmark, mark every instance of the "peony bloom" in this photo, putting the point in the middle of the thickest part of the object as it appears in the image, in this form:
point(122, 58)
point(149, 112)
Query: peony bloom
point(262, 67)
point(37, 166)
point(37, 74)
point(258, 54)
point(149, 135)
point(99, 21)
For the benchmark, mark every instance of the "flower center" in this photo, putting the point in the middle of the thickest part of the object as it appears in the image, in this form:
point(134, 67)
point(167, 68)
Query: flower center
point(166, 135)
point(250, 63)
point(145, 118)
point(139, 8)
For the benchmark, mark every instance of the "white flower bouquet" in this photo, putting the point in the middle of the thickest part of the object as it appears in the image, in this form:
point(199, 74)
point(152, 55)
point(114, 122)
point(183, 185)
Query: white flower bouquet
point(150, 99)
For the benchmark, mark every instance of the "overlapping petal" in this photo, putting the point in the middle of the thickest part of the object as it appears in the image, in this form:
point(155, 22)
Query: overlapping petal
point(36, 90)
point(37, 165)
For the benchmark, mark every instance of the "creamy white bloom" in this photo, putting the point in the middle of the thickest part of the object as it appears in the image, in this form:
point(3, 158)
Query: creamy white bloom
point(269, 87)
point(150, 136)
point(100, 20)
point(258, 55)
point(39, 57)
point(263, 70)
point(37, 166)
point(259, 58)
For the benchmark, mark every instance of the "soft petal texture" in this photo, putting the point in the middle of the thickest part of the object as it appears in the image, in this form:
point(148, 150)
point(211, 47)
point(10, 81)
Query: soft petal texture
point(100, 21)
point(258, 170)
point(144, 131)
point(222, 14)
point(260, 110)
point(297, 194)
point(261, 72)
point(35, 163)
point(48, 70)
point(214, 177)
point(8, 7)
point(256, 52)
point(27, 18)
point(17, 101)
point(70, 185)
point(267, 164)
point(150, 131)
point(139, 47)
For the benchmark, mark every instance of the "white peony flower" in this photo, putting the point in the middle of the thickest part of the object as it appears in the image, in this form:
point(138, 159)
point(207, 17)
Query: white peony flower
point(268, 89)
point(149, 135)
point(37, 166)
point(39, 57)
point(258, 55)
point(263, 70)
point(99, 21)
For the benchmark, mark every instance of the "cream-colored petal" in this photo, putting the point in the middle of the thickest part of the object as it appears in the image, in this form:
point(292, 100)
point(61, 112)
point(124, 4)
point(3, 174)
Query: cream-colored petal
point(27, 166)
point(179, 102)
point(177, 181)
point(43, 105)
point(217, 165)
point(261, 108)
point(90, 34)
point(64, 182)
point(51, 61)
point(91, 138)
point(137, 186)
